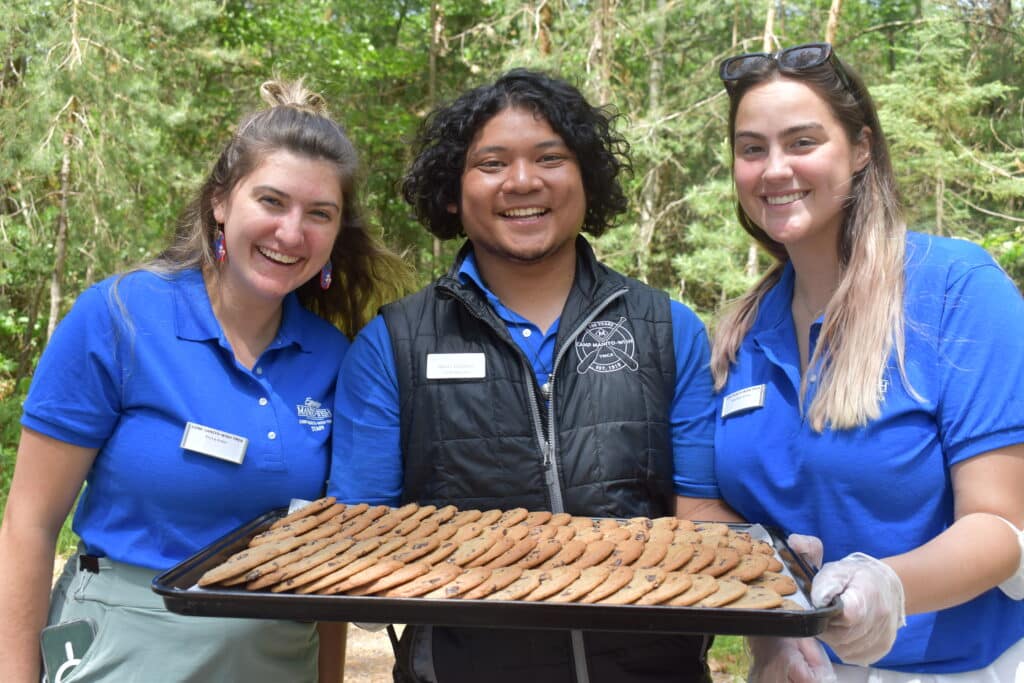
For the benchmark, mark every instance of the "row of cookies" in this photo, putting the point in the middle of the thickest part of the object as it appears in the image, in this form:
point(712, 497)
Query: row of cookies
point(411, 551)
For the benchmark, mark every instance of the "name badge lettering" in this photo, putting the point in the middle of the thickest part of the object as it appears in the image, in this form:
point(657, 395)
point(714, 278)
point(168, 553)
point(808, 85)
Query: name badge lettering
point(214, 443)
point(456, 366)
point(744, 399)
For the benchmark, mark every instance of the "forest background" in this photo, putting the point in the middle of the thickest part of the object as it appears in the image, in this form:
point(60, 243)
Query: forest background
point(111, 113)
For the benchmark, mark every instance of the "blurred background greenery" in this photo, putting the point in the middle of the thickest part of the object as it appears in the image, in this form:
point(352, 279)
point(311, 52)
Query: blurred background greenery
point(111, 114)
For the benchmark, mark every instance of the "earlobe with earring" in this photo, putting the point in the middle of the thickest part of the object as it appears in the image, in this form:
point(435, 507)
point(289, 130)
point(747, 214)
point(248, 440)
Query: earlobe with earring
point(220, 249)
point(326, 275)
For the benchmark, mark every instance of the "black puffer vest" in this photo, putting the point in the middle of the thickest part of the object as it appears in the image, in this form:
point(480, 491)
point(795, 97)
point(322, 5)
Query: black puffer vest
point(601, 447)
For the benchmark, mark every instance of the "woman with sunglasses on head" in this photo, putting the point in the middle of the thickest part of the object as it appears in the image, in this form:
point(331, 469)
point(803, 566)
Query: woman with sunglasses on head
point(871, 395)
point(191, 395)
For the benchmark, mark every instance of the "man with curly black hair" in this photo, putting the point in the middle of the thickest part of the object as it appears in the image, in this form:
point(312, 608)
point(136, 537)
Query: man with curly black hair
point(531, 374)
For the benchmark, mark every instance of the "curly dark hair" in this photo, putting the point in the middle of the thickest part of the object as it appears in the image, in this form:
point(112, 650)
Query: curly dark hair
point(434, 179)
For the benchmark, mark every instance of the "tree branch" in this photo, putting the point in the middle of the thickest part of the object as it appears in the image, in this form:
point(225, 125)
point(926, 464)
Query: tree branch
point(995, 214)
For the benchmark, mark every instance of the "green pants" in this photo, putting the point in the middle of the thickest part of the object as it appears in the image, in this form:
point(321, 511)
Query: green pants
point(137, 639)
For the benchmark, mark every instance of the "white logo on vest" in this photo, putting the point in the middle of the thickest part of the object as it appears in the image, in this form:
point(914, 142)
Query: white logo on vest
point(606, 346)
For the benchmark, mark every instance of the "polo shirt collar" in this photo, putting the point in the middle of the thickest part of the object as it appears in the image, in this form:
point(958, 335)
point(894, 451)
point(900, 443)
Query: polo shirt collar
point(469, 273)
point(195, 321)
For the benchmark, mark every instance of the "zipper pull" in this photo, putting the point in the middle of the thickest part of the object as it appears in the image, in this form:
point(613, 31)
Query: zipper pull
point(545, 389)
point(545, 449)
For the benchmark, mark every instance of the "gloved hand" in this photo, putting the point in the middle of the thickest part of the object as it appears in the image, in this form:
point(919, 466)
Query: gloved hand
point(788, 660)
point(809, 548)
point(874, 607)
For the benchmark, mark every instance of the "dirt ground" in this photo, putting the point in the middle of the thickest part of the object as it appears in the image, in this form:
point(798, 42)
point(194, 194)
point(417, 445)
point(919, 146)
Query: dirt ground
point(368, 658)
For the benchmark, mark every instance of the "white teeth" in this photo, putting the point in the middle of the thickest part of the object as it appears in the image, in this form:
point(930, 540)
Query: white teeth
point(278, 256)
point(786, 198)
point(523, 213)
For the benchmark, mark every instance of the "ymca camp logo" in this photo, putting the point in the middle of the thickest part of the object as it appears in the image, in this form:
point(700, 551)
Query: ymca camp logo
point(606, 346)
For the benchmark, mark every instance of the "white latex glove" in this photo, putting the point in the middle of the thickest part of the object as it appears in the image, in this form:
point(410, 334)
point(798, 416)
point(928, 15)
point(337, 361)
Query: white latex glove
point(809, 548)
point(873, 607)
point(788, 660)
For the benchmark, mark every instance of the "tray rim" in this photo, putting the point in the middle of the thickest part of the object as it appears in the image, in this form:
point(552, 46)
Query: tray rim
point(180, 595)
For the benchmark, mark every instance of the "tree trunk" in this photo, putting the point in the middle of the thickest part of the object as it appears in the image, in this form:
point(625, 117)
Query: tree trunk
point(940, 189)
point(26, 351)
point(60, 241)
point(833, 21)
point(436, 27)
point(544, 21)
point(735, 22)
point(599, 60)
point(769, 27)
point(652, 183)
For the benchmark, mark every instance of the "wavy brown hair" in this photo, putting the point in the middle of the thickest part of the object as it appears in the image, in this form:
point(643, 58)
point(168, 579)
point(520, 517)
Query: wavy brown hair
point(864, 320)
point(296, 120)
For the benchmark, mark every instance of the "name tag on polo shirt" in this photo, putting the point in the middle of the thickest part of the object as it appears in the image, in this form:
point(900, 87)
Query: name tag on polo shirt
point(214, 443)
point(456, 366)
point(744, 399)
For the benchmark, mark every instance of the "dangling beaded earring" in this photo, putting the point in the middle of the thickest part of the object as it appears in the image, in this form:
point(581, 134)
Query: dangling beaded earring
point(220, 250)
point(326, 275)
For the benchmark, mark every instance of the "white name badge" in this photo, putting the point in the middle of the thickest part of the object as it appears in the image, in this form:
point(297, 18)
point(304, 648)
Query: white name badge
point(214, 443)
point(744, 399)
point(456, 366)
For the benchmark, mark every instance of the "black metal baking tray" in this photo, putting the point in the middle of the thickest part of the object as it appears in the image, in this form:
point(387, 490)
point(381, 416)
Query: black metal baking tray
point(181, 595)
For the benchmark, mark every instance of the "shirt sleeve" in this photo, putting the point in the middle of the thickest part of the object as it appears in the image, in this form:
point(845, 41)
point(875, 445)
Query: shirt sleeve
point(76, 394)
point(366, 458)
point(693, 408)
point(981, 406)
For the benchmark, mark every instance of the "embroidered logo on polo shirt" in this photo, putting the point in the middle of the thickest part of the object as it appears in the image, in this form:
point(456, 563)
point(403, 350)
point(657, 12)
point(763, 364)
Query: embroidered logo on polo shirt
point(311, 413)
point(606, 346)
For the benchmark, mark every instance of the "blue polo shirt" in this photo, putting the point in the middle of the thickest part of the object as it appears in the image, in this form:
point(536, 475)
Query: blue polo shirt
point(367, 459)
point(126, 376)
point(885, 489)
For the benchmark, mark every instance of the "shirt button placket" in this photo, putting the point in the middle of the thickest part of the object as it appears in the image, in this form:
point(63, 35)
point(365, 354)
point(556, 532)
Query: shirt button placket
point(272, 456)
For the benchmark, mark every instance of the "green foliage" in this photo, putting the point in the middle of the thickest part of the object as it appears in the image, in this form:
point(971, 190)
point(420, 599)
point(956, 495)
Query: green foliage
point(938, 121)
point(139, 97)
point(729, 655)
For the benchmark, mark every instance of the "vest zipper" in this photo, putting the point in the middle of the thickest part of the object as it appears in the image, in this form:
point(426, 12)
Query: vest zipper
point(579, 652)
point(538, 425)
point(550, 444)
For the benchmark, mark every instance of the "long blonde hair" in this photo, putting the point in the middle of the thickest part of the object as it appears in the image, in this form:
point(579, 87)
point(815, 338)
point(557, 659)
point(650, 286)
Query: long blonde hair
point(864, 320)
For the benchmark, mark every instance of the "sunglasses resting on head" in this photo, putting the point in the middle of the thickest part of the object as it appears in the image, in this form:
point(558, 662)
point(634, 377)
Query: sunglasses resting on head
point(789, 60)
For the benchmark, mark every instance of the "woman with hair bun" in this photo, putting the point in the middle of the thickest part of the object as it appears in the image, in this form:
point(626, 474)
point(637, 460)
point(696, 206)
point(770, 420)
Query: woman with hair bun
point(190, 395)
point(871, 395)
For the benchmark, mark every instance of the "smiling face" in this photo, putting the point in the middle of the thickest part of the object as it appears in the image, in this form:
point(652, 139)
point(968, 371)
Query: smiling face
point(523, 199)
point(280, 223)
point(793, 163)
